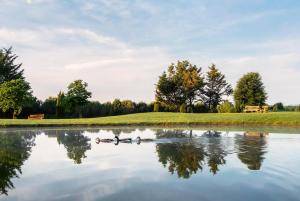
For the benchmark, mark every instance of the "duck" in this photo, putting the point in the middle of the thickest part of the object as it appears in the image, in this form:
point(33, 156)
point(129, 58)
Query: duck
point(98, 140)
point(125, 140)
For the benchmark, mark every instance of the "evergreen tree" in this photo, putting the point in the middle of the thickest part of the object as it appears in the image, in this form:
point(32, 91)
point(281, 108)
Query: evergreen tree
point(59, 104)
point(215, 88)
point(9, 70)
point(250, 90)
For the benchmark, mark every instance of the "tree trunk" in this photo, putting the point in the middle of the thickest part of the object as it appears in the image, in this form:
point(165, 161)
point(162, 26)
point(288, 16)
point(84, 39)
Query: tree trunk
point(14, 115)
point(191, 106)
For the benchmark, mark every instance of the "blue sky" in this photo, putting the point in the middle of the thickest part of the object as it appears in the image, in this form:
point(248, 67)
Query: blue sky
point(121, 47)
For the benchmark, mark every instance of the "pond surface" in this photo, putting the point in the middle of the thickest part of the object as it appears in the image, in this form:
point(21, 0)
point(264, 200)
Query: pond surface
point(71, 164)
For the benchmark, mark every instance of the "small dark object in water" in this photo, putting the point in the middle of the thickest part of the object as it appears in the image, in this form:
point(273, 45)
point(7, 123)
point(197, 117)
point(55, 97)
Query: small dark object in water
point(139, 140)
point(98, 140)
point(125, 140)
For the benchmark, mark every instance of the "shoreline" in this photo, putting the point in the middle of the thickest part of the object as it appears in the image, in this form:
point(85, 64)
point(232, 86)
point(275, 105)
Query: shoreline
point(285, 120)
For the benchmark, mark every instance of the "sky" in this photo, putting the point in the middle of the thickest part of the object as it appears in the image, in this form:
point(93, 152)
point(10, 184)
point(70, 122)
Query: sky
point(120, 47)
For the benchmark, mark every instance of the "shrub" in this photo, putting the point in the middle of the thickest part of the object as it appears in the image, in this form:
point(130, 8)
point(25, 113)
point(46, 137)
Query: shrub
point(226, 107)
point(278, 107)
point(297, 109)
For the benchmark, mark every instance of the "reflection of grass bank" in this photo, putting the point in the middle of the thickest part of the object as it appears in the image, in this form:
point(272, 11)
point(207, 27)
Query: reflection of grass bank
point(168, 119)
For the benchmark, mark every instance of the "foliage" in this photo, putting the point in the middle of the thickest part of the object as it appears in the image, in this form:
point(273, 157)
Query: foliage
point(250, 90)
point(117, 107)
point(128, 106)
point(48, 107)
point(181, 84)
point(226, 107)
point(60, 104)
point(278, 107)
point(8, 69)
point(215, 88)
point(200, 107)
point(14, 94)
point(78, 95)
point(297, 109)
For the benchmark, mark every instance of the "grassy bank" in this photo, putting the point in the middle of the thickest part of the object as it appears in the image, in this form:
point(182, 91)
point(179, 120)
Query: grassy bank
point(238, 119)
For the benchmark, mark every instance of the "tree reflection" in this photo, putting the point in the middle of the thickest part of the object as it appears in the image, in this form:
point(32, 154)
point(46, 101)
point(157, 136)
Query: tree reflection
point(15, 149)
point(161, 133)
point(251, 149)
point(215, 151)
point(185, 158)
point(76, 144)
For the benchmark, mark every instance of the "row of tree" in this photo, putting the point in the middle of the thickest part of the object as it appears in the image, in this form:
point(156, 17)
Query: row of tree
point(16, 97)
point(184, 87)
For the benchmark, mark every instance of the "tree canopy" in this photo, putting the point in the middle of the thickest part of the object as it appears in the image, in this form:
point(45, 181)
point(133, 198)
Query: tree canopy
point(182, 84)
point(78, 95)
point(250, 90)
point(215, 89)
point(14, 95)
point(9, 70)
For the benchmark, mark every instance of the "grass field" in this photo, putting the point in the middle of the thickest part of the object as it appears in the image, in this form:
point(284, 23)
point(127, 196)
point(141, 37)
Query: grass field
point(167, 119)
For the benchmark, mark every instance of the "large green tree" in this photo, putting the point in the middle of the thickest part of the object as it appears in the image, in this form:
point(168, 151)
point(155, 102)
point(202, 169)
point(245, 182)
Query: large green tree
point(78, 95)
point(9, 70)
point(250, 90)
point(182, 84)
point(14, 95)
point(215, 88)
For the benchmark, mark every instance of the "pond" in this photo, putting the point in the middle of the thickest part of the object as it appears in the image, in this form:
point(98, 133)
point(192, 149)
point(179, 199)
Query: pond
point(173, 164)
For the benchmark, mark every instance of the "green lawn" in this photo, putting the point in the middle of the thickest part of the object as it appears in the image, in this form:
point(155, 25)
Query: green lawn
point(238, 119)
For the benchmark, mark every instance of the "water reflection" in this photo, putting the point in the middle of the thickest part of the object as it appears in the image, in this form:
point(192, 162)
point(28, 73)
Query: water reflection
point(251, 148)
point(184, 158)
point(75, 143)
point(15, 149)
point(181, 152)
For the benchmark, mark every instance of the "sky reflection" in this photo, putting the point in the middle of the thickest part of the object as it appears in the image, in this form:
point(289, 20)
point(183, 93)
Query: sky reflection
point(68, 164)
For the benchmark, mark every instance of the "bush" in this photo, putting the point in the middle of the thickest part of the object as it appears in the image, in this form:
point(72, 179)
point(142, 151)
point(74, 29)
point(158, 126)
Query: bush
point(182, 108)
point(297, 109)
point(278, 107)
point(226, 107)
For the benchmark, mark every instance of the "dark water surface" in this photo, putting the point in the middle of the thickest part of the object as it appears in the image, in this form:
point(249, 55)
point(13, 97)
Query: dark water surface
point(68, 164)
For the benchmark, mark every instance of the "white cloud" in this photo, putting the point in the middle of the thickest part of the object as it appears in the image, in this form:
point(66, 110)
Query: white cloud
point(280, 76)
point(53, 58)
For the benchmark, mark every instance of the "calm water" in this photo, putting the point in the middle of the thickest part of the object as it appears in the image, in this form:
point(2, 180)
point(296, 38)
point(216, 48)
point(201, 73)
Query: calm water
point(68, 164)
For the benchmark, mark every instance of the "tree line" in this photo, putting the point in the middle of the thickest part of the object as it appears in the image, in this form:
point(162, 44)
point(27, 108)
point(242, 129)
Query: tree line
point(185, 88)
point(182, 88)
